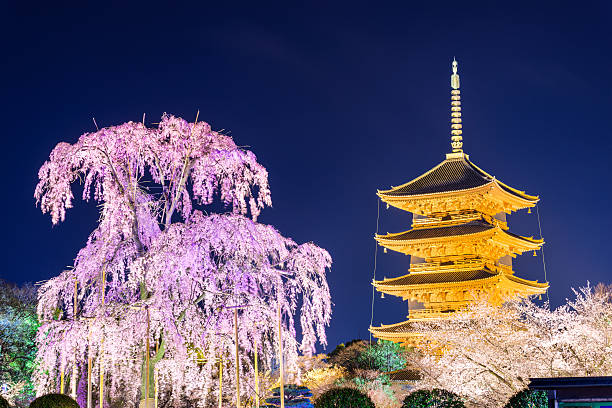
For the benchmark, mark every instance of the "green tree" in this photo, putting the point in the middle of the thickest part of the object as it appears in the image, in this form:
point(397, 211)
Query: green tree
point(344, 398)
point(435, 398)
point(18, 327)
point(528, 399)
point(382, 356)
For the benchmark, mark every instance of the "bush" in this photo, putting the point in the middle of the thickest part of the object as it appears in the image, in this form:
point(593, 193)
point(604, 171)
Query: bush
point(296, 396)
point(528, 399)
point(3, 402)
point(433, 398)
point(344, 398)
point(347, 356)
point(54, 401)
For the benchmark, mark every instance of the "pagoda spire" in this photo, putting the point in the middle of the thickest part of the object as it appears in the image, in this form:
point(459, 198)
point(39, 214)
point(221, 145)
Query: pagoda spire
point(456, 139)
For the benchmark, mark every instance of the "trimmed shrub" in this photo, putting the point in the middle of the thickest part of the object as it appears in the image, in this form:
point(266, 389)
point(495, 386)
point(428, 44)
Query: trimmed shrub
point(54, 401)
point(433, 398)
point(3, 402)
point(528, 399)
point(344, 398)
point(296, 396)
point(347, 356)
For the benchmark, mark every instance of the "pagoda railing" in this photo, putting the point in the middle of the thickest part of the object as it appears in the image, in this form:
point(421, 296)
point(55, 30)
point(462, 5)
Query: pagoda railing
point(441, 266)
point(443, 221)
point(437, 312)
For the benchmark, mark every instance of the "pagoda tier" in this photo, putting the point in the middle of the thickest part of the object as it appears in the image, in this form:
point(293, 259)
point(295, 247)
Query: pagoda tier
point(474, 238)
point(452, 290)
point(456, 183)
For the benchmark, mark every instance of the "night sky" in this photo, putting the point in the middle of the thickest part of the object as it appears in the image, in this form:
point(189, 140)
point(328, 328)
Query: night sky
point(336, 100)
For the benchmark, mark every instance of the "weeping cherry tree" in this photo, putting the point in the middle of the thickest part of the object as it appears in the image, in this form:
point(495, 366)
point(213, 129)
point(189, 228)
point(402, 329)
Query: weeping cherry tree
point(158, 268)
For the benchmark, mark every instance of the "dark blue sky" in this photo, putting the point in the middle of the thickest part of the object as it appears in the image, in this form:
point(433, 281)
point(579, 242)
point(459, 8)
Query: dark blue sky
point(336, 100)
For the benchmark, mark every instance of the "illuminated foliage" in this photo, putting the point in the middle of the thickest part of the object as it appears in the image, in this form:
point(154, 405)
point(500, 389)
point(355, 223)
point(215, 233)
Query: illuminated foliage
point(18, 327)
point(156, 253)
point(489, 353)
point(382, 356)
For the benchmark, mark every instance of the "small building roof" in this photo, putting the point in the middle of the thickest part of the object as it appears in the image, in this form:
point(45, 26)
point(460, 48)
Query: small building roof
point(405, 374)
point(453, 174)
point(548, 383)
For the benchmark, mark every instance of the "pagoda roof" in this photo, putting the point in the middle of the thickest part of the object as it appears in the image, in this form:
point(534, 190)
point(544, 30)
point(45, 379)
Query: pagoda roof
point(404, 327)
point(472, 227)
point(453, 174)
point(437, 277)
point(441, 280)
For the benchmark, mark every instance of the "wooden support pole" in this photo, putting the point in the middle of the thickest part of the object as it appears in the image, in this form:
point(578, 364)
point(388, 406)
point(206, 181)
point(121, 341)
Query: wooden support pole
point(62, 381)
point(148, 352)
point(156, 377)
point(102, 374)
point(221, 382)
point(156, 385)
point(256, 378)
point(280, 356)
point(73, 379)
point(89, 379)
point(237, 358)
point(103, 289)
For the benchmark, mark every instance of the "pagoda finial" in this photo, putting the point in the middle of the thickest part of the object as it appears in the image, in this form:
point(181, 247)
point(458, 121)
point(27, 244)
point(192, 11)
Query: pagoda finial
point(456, 139)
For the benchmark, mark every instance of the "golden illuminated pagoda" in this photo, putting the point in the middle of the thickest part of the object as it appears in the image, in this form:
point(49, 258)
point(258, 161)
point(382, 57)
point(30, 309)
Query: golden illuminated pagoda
point(460, 247)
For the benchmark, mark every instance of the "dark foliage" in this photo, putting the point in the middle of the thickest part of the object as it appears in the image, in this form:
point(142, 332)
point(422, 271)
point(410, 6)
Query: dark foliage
point(344, 398)
point(3, 403)
point(343, 346)
point(54, 401)
point(528, 399)
point(347, 356)
point(433, 398)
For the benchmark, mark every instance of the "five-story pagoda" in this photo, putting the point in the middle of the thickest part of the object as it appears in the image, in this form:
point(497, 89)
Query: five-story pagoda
point(460, 245)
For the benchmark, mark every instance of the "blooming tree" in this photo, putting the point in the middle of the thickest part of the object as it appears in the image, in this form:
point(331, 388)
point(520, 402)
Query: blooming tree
point(157, 267)
point(489, 353)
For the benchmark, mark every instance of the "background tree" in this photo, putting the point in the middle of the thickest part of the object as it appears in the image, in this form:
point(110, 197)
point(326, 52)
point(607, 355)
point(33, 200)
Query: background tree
point(155, 267)
point(490, 353)
point(18, 326)
point(343, 398)
point(434, 398)
point(528, 399)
